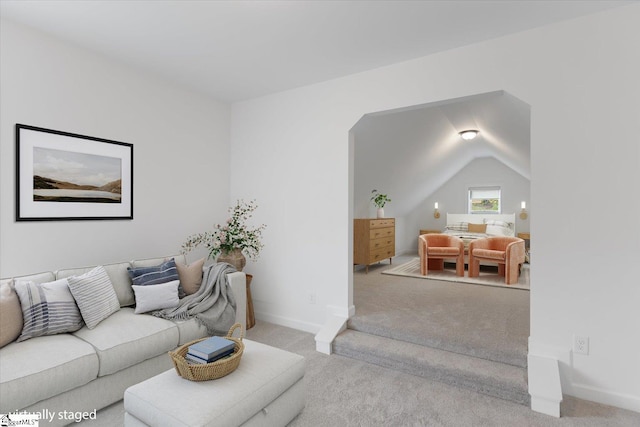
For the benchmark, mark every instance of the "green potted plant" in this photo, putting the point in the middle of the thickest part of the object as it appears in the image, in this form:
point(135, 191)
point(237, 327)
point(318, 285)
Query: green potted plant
point(231, 239)
point(379, 200)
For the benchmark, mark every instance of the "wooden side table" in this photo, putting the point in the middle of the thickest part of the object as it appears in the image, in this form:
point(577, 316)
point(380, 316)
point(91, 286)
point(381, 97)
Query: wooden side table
point(527, 245)
point(251, 319)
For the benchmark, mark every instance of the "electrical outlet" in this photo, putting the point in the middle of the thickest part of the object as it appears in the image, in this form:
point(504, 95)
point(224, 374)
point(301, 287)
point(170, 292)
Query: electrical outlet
point(312, 298)
point(580, 344)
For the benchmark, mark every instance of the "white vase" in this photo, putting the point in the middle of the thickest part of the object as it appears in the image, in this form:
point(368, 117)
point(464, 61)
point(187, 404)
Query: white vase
point(380, 212)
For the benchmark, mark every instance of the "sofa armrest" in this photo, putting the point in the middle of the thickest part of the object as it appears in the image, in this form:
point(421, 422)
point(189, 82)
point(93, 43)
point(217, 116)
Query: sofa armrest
point(238, 284)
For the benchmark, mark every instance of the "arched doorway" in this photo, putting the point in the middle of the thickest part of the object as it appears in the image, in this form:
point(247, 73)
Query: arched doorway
point(414, 154)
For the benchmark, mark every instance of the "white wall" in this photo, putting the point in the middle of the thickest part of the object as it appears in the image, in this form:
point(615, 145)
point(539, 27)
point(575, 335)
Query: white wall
point(451, 198)
point(180, 140)
point(292, 152)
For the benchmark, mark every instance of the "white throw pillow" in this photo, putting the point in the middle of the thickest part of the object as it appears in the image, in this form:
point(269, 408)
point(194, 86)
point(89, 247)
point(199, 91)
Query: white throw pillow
point(156, 297)
point(95, 296)
point(498, 230)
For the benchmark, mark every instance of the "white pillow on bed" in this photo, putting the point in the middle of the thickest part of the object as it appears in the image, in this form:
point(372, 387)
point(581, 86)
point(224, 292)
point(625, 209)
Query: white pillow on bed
point(498, 230)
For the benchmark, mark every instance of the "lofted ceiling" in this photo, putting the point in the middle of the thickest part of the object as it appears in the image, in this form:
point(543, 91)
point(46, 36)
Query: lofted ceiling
point(238, 50)
point(420, 144)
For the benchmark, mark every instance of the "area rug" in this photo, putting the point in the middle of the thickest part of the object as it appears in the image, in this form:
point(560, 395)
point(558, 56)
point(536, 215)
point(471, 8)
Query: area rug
point(412, 269)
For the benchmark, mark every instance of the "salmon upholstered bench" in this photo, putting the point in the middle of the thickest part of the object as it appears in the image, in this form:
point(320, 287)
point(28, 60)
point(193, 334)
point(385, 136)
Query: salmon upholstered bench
point(266, 389)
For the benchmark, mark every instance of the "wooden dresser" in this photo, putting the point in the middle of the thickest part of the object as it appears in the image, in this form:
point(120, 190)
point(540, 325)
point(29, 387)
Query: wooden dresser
point(373, 240)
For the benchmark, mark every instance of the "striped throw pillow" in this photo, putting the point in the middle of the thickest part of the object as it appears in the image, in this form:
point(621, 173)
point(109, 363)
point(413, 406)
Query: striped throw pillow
point(163, 273)
point(95, 296)
point(47, 309)
point(458, 226)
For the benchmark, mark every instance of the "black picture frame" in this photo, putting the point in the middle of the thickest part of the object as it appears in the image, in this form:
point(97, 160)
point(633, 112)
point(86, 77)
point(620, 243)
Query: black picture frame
point(63, 176)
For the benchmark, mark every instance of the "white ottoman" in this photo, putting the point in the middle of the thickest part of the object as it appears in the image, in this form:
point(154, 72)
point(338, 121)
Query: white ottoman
point(266, 389)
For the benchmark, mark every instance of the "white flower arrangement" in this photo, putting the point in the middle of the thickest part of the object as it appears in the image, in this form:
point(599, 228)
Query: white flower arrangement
point(233, 235)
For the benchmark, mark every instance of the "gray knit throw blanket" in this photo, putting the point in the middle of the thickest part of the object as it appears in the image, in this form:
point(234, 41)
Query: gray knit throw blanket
point(213, 305)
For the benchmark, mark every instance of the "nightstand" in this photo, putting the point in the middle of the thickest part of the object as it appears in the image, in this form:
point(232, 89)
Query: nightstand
point(527, 246)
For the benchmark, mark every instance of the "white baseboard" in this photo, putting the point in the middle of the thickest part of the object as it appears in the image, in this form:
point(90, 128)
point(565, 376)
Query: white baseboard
point(544, 384)
point(289, 322)
point(581, 391)
point(346, 312)
point(332, 328)
point(607, 397)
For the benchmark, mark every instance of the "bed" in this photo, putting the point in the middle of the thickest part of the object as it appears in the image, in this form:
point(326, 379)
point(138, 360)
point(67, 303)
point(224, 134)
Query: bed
point(470, 227)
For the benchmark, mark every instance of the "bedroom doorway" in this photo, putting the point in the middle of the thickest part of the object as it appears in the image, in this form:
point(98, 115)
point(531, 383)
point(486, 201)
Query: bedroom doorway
point(416, 156)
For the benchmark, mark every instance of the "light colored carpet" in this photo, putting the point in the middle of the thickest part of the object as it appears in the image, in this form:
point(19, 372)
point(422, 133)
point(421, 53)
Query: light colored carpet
point(458, 333)
point(345, 392)
point(412, 269)
point(480, 321)
point(473, 373)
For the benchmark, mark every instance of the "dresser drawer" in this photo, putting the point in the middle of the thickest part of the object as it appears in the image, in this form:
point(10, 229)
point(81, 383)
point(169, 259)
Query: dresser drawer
point(378, 233)
point(382, 223)
point(382, 243)
point(382, 253)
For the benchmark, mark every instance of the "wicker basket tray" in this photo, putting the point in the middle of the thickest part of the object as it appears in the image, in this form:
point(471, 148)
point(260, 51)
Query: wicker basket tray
point(208, 371)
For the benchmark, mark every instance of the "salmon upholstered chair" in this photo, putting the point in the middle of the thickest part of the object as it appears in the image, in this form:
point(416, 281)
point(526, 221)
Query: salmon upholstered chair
point(507, 252)
point(435, 248)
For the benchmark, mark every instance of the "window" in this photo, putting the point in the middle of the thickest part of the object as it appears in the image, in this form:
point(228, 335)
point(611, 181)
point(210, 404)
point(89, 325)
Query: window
point(484, 200)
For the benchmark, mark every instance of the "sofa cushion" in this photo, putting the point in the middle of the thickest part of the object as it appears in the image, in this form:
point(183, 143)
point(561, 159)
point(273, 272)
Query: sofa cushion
point(443, 251)
point(150, 262)
point(125, 338)
point(95, 296)
point(43, 367)
point(10, 314)
point(489, 254)
point(117, 274)
point(47, 308)
point(47, 276)
point(190, 275)
point(156, 297)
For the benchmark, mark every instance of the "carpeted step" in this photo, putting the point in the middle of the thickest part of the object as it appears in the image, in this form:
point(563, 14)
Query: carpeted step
point(483, 376)
point(448, 338)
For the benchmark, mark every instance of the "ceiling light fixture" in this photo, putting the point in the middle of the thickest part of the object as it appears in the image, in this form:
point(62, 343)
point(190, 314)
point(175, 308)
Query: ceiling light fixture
point(469, 134)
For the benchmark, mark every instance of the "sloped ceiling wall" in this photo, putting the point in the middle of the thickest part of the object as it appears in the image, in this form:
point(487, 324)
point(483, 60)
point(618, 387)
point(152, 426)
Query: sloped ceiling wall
point(409, 153)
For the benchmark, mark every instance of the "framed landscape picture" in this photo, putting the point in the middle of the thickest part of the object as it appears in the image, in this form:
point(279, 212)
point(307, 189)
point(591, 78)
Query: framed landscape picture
point(64, 176)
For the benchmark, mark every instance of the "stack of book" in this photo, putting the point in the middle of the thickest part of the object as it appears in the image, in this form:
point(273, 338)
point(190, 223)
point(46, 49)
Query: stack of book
point(210, 350)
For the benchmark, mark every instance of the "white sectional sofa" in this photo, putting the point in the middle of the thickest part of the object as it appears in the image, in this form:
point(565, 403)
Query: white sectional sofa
point(64, 375)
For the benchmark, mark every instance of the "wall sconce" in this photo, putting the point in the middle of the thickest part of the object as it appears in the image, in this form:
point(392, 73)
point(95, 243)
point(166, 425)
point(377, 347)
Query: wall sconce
point(436, 212)
point(523, 212)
